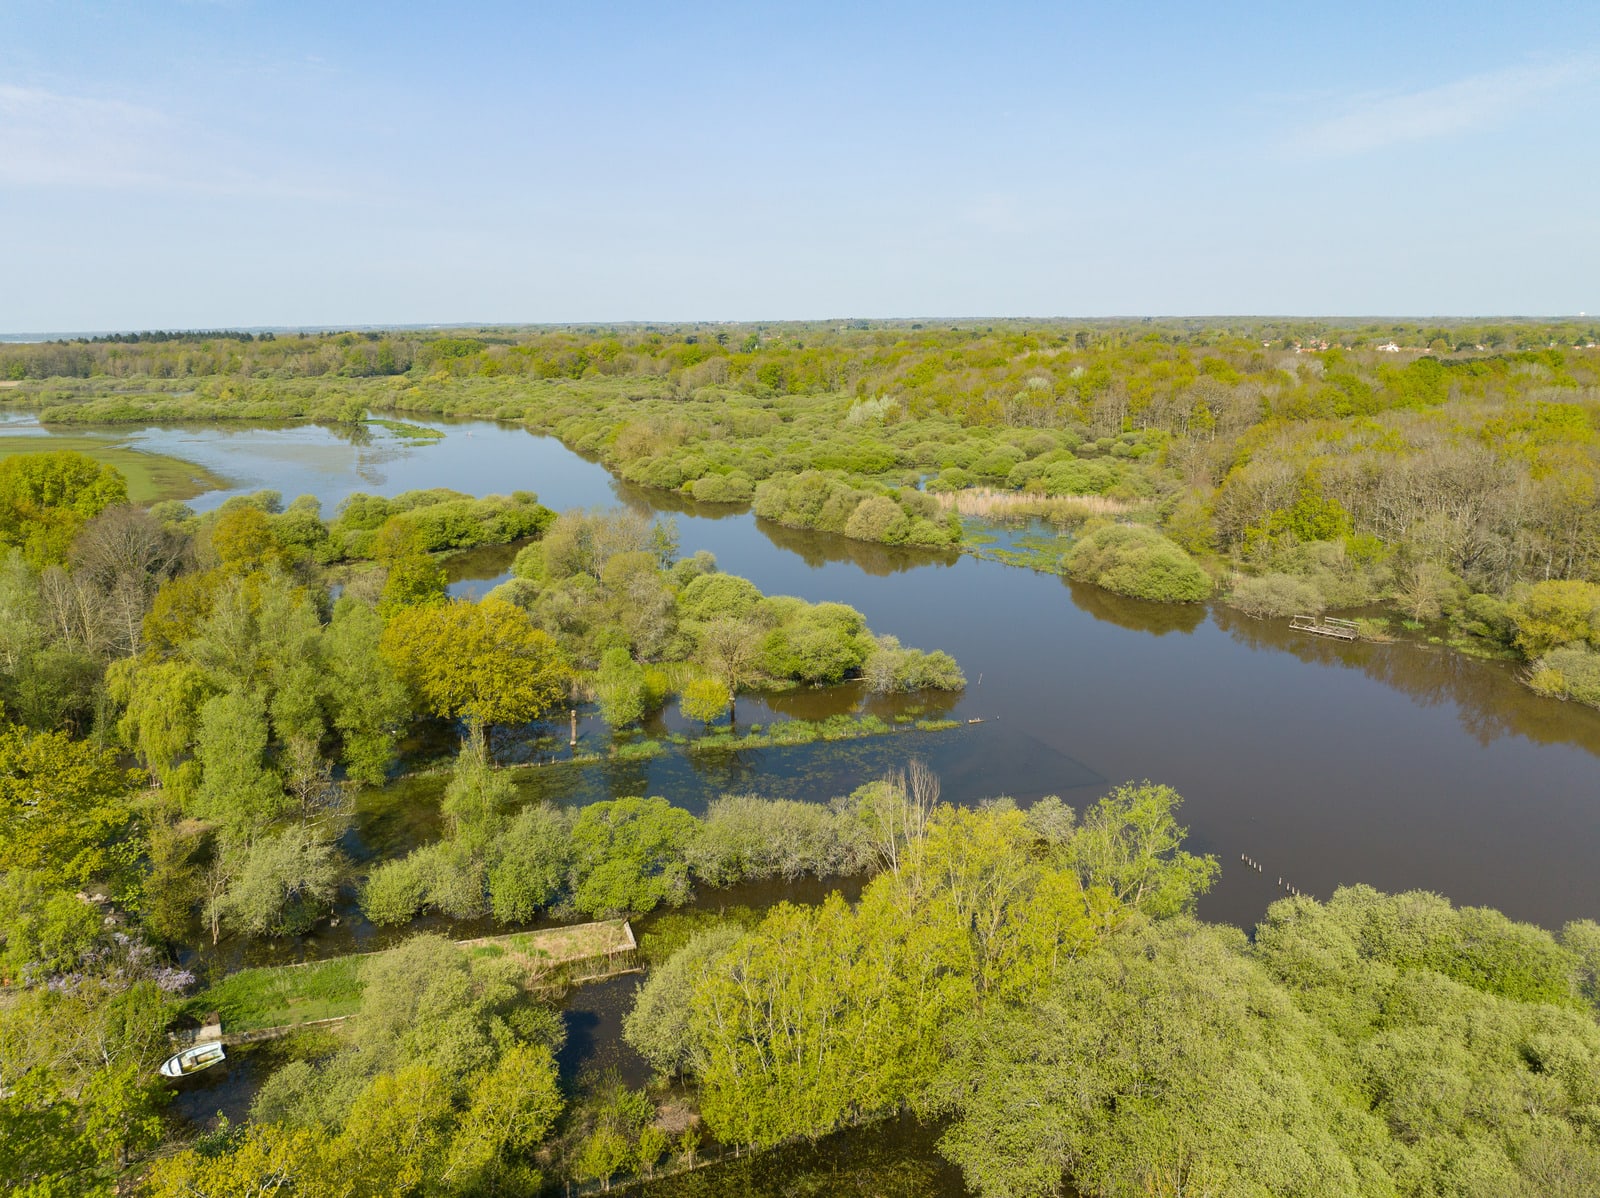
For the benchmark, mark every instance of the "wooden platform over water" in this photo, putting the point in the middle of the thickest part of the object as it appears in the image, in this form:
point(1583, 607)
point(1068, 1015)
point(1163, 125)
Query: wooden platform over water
point(1343, 630)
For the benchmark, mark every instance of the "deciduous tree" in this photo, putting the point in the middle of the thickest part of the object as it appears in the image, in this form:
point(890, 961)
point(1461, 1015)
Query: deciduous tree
point(482, 662)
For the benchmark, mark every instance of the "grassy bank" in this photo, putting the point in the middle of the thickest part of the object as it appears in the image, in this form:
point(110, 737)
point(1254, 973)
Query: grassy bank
point(272, 996)
point(152, 477)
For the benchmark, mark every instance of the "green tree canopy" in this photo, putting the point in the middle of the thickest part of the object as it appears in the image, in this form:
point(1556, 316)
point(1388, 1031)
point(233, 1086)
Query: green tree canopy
point(482, 662)
point(45, 498)
point(629, 855)
point(63, 803)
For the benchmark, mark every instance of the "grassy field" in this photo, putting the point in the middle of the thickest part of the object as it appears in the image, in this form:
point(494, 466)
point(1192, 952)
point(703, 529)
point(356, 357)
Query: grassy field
point(151, 477)
point(558, 946)
point(284, 994)
point(279, 995)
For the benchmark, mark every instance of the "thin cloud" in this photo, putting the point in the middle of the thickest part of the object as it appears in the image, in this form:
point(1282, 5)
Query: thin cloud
point(48, 139)
point(1476, 102)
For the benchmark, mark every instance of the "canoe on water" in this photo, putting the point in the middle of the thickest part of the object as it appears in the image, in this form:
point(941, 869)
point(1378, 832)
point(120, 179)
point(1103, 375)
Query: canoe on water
point(192, 1060)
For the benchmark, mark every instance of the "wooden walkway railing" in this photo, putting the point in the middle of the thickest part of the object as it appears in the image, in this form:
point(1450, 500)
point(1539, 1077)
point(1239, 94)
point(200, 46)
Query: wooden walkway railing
point(1344, 630)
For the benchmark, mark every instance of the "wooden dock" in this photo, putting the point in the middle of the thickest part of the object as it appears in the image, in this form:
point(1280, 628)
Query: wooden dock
point(1343, 630)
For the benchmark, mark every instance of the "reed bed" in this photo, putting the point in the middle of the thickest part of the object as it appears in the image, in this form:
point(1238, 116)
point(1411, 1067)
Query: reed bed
point(989, 502)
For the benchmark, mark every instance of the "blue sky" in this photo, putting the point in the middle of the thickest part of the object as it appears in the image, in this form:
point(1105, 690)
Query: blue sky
point(252, 163)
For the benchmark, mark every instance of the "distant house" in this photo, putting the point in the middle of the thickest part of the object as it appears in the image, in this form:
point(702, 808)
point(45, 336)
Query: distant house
point(1390, 348)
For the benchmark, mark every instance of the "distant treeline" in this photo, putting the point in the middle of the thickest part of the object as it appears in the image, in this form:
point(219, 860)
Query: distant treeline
point(791, 356)
point(1443, 468)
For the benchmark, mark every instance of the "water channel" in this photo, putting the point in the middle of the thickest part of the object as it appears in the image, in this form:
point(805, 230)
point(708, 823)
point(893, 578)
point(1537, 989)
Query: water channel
point(1401, 765)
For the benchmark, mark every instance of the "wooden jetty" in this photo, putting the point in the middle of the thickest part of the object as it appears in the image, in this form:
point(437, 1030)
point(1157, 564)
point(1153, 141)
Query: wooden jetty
point(1343, 630)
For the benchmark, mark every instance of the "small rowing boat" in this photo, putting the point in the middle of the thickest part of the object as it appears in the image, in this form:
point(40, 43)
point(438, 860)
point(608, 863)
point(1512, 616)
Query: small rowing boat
point(193, 1060)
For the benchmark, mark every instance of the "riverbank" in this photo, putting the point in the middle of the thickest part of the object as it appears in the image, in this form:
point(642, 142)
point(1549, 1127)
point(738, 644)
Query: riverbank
point(151, 477)
point(1447, 773)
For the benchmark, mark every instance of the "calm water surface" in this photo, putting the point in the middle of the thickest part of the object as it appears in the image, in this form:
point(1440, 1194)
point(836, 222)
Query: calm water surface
point(1399, 765)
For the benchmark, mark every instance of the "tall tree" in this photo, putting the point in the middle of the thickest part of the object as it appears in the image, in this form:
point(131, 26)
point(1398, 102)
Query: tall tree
point(484, 662)
point(62, 804)
point(45, 498)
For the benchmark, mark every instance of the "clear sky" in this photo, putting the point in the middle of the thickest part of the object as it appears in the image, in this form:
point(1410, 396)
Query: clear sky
point(273, 163)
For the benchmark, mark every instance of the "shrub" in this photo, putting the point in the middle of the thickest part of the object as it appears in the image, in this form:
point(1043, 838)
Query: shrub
point(1557, 613)
point(629, 856)
point(535, 855)
point(658, 1026)
point(455, 879)
point(395, 892)
point(723, 488)
point(718, 596)
point(1275, 595)
point(999, 462)
point(1137, 561)
point(818, 644)
point(952, 479)
point(892, 668)
point(1568, 673)
point(620, 688)
point(284, 885)
point(1485, 616)
point(745, 838)
point(878, 519)
point(705, 699)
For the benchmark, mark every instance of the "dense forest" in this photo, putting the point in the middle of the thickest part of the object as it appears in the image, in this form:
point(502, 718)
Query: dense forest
point(1444, 472)
point(194, 708)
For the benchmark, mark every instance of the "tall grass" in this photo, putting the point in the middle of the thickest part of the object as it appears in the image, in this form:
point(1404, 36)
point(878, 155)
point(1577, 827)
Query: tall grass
point(989, 502)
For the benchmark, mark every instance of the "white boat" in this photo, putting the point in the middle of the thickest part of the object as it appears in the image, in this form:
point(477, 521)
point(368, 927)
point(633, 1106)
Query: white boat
point(193, 1060)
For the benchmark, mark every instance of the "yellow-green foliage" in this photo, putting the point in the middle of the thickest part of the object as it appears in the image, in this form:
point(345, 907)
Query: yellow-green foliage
point(1551, 614)
point(1475, 451)
point(1133, 560)
point(45, 498)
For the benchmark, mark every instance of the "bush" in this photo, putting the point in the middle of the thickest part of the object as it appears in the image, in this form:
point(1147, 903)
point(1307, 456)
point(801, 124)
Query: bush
point(1275, 595)
point(629, 856)
point(723, 488)
point(705, 699)
point(818, 644)
point(1551, 614)
point(534, 857)
point(891, 668)
point(658, 1026)
point(718, 596)
point(620, 688)
point(456, 881)
point(42, 930)
point(878, 519)
point(1568, 673)
point(1485, 616)
point(1137, 561)
point(395, 892)
point(745, 838)
point(952, 479)
point(284, 885)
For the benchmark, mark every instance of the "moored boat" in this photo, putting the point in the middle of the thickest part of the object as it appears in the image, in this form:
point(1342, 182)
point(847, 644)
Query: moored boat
point(193, 1059)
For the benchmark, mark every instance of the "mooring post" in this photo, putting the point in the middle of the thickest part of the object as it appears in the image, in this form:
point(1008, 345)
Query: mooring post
point(574, 714)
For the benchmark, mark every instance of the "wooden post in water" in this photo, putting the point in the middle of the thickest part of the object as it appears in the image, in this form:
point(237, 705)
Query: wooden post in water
point(574, 714)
